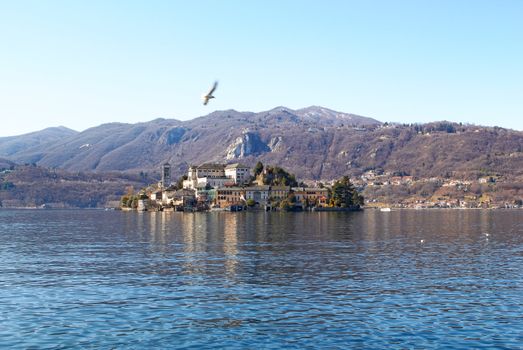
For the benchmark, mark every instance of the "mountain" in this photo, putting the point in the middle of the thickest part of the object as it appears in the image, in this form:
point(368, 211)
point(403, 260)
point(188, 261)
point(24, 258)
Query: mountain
point(313, 143)
point(142, 146)
point(34, 186)
point(328, 117)
point(6, 164)
point(12, 145)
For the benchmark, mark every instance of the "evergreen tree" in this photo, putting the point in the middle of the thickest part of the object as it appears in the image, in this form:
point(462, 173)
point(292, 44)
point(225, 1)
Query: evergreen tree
point(276, 176)
point(343, 194)
point(258, 168)
point(179, 183)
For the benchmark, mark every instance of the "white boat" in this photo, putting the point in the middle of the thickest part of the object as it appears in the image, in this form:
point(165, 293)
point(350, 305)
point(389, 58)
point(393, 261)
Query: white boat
point(385, 209)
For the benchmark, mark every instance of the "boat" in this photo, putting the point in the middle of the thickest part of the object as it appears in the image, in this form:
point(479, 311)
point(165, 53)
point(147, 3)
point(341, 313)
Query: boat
point(234, 207)
point(385, 209)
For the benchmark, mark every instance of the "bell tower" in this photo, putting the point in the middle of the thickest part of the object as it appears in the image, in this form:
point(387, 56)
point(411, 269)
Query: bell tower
point(166, 175)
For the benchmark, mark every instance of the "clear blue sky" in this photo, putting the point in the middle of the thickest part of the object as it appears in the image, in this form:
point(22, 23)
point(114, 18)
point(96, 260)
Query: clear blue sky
point(84, 63)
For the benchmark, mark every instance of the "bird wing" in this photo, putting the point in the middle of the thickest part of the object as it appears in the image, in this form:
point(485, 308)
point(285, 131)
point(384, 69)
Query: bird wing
point(214, 86)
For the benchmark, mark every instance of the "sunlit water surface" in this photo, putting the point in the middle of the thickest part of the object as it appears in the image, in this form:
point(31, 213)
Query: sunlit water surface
point(403, 279)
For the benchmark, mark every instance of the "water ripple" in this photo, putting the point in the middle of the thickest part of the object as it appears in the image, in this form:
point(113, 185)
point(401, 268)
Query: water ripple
point(94, 279)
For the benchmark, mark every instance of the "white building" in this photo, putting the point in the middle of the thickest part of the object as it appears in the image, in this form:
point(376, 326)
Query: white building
point(239, 172)
point(216, 175)
point(210, 170)
point(214, 182)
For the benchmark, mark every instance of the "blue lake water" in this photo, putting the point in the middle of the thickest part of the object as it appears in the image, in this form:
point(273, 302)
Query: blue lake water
point(403, 279)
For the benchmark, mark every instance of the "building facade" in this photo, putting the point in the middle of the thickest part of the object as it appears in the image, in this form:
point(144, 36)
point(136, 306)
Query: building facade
point(241, 174)
point(260, 194)
point(279, 192)
point(311, 195)
point(226, 197)
point(216, 175)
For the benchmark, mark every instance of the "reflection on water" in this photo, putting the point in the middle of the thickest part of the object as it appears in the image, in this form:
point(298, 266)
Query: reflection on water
point(230, 243)
point(402, 279)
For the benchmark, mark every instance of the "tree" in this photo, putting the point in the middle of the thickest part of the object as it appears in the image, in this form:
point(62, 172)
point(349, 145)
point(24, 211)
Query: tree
point(251, 202)
point(179, 183)
point(343, 194)
point(357, 199)
point(276, 176)
point(258, 168)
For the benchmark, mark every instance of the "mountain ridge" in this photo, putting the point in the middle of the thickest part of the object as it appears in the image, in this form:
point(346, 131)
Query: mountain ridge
point(314, 142)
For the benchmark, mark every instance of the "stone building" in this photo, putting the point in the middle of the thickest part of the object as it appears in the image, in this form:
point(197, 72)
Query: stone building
point(216, 175)
point(240, 173)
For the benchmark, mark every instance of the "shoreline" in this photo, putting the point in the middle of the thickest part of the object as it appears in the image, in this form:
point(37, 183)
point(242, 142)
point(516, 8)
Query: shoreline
point(329, 210)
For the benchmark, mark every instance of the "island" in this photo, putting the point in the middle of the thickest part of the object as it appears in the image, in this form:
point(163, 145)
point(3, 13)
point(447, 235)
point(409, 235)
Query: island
point(234, 187)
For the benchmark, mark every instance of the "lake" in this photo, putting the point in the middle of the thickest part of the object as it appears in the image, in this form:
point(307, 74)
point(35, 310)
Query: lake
point(402, 279)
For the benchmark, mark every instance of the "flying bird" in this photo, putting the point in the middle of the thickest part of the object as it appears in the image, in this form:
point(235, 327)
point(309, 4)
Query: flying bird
point(209, 95)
